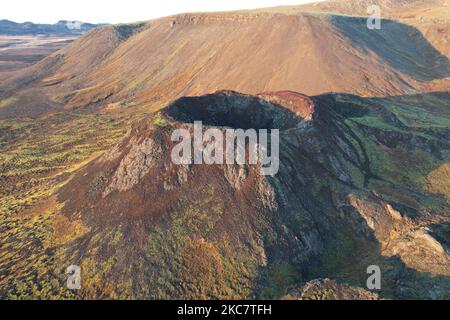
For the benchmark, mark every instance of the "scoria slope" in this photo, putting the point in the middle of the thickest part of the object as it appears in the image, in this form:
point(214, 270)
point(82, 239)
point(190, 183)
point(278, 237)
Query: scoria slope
point(430, 17)
point(353, 190)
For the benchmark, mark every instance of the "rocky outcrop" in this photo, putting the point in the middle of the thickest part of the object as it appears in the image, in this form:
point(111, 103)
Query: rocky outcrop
point(327, 289)
point(134, 166)
point(323, 212)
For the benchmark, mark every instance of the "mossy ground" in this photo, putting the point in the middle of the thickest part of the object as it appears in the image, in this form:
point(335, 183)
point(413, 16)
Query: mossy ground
point(37, 156)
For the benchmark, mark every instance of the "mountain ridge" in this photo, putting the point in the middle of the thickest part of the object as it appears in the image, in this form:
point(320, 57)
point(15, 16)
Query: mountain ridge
point(62, 27)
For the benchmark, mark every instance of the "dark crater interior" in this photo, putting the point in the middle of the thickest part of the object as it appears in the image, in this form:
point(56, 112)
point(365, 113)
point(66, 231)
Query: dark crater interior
point(232, 110)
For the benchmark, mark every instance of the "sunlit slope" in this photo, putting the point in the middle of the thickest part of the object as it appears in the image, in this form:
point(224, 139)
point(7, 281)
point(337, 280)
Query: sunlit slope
point(250, 52)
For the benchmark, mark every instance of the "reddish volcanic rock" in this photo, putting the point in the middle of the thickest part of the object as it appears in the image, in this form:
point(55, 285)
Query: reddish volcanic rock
point(298, 103)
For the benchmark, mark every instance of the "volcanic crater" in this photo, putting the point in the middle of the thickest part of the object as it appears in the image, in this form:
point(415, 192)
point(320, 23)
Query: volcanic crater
point(276, 110)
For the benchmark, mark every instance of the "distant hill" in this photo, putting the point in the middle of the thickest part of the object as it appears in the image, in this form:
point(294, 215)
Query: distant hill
point(62, 27)
point(195, 54)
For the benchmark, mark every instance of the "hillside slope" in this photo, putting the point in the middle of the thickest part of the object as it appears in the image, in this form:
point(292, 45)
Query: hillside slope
point(152, 63)
point(430, 17)
point(355, 188)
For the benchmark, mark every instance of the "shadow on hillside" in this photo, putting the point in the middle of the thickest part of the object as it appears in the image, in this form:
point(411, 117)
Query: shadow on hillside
point(408, 127)
point(398, 281)
point(402, 46)
point(347, 263)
